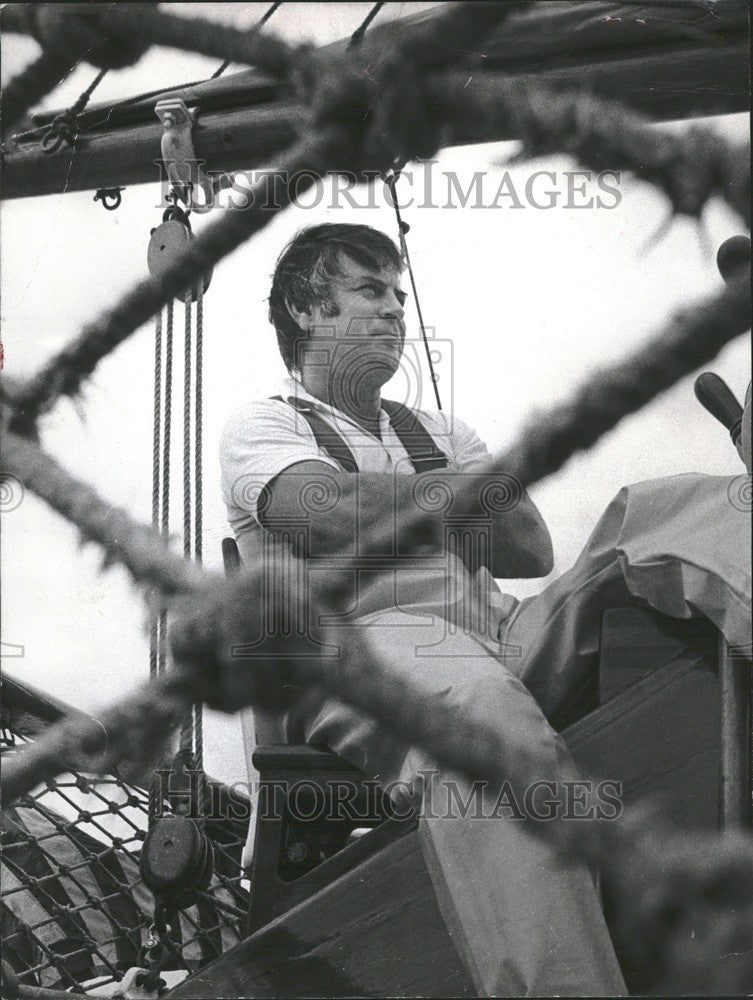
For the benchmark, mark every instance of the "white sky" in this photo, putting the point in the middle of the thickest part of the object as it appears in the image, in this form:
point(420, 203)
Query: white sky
point(532, 303)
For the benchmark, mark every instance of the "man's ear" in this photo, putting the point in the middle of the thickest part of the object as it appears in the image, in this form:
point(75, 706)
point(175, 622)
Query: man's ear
point(301, 317)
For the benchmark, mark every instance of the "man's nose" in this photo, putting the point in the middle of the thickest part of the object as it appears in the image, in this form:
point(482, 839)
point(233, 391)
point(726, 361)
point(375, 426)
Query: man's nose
point(391, 307)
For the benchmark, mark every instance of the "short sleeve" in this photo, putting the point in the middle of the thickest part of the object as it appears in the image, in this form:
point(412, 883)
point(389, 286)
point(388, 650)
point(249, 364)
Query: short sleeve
point(469, 451)
point(465, 450)
point(258, 442)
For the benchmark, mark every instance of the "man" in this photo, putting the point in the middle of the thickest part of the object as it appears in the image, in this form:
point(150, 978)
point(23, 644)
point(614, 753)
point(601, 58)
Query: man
point(523, 922)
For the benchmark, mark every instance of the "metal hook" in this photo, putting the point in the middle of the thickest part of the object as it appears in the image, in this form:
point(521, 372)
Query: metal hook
point(183, 169)
point(110, 197)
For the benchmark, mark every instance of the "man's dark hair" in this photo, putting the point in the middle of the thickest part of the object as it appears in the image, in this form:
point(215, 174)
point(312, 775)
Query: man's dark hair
point(305, 270)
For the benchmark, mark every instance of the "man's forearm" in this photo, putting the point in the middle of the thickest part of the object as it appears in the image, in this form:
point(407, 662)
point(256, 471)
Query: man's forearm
point(340, 511)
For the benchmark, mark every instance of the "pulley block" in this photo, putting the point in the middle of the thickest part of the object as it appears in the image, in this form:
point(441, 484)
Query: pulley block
point(168, 241)
point(177, 860)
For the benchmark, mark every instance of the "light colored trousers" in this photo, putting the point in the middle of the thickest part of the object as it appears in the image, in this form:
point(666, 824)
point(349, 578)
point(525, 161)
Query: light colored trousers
point(525, 922)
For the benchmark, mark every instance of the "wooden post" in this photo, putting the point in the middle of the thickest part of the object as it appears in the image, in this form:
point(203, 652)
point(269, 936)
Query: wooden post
point(735, 791)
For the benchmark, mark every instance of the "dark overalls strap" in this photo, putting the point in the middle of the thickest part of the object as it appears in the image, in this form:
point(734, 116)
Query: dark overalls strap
point(328, 439)
point(419, 444)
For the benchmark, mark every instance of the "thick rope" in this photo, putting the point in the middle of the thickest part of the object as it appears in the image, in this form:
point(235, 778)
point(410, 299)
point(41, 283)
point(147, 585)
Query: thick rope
point(126, 542)
point(65, 373)
point(379, 110)
point(665, 159)
point(134, 27)
point(203, 36)
point(690, 169)
point(688, 342)
point(220, 613)
point(217, 616)
point(132, 731)
point(262, 21)
point(28, 88)
point(692, 339)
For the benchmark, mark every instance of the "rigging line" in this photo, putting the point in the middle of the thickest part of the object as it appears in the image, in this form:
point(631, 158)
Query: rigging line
point(265, 17)
point(156, 438)
point(64, 127)
point(357, 37)
point(165, 505)
point(158, 624)
point(403, 228)
point(198, 717)
point(165, 508)
point(198, 424)
point(78, 106)
point(188, 730)
point(188, 350)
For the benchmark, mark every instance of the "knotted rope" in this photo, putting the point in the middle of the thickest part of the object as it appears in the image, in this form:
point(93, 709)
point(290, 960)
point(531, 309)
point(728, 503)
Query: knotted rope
point(28, 88)
point(65, 373)
point(359, 124)
point(218, 615)
point(125, 542)
point(260, 24)
point(67, 33)
point(202, 36)
point(65, 126)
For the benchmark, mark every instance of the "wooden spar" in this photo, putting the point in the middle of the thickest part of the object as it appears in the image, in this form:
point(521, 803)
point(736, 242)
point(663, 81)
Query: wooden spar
point(663, 86)
point(665, 62)
point(542, 36)
point(229, 141)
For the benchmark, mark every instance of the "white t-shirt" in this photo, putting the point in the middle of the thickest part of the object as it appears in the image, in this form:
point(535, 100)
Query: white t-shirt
point(264, 437)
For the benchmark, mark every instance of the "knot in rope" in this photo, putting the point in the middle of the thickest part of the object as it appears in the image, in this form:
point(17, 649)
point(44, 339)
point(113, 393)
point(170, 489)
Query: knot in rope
point(230, 664)
point(371, 116)
point(700, 172)
point(62, 130)
point(79, 31)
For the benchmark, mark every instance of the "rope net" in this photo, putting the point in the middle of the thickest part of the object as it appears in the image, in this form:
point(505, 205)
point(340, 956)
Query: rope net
point(357, 118)
point(74, 909)
point(690, 170)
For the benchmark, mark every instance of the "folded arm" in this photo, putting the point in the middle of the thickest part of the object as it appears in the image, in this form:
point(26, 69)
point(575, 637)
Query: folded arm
point(339, 508)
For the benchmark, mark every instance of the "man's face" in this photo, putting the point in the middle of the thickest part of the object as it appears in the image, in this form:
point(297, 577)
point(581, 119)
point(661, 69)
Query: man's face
point(363, 343)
